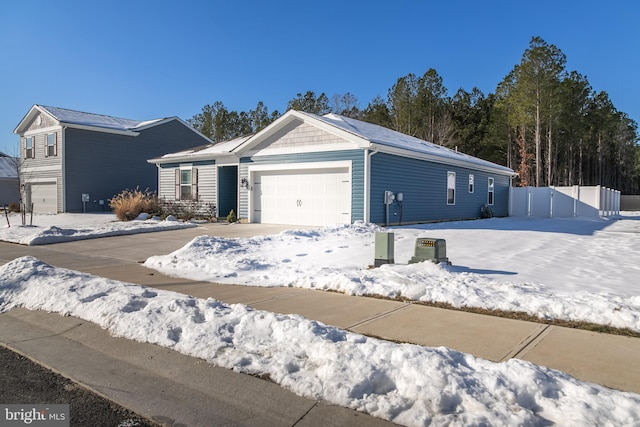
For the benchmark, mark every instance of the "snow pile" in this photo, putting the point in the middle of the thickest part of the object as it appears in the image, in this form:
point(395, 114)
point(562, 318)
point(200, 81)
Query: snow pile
point(337, 259)
point(407, 384)
point(49, 229)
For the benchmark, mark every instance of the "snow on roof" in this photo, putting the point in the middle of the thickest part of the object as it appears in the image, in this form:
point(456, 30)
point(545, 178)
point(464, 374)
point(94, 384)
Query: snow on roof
point(380, 135)
point(95, 120)
point(8, 168)
point(225, 147)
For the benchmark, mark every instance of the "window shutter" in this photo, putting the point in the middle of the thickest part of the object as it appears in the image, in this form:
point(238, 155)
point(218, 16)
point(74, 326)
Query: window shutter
point(194, 183)
point(55, 144)
point(177, 184)
point(46, 147)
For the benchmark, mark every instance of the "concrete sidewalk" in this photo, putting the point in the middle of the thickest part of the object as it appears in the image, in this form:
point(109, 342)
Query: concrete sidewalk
point(601, 358)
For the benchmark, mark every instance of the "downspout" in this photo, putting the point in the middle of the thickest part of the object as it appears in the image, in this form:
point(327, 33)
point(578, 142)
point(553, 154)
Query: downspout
point(367, 183)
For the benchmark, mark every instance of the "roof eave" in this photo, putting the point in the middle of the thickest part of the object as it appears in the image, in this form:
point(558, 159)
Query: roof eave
point(100, 129)
point(380, 148)
point(189, 158)
point(288, 118)
point(158, 122)
point(27, 117)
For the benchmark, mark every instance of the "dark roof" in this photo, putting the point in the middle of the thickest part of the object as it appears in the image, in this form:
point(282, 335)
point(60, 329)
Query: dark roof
point(95, 120)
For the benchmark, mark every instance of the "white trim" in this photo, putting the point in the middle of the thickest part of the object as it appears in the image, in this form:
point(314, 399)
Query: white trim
point(491, 189)
point(289, 117)
point(33, 169)
point(50, 180)
point(227, 161)
point(442, 160)
point(347, 145)
point(49, 129)
point(102, 129)
point(300, 166)
point(184, 158)
point(368, 154)
point(455, 177)
point(252, 169)
point(216, 177)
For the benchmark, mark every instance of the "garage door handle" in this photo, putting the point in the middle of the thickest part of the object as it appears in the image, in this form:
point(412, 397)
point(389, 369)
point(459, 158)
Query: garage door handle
point(299, 203)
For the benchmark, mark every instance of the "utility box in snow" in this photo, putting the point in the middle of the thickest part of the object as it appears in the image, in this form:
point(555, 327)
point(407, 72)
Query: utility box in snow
point(383, 249)
point(427, 249)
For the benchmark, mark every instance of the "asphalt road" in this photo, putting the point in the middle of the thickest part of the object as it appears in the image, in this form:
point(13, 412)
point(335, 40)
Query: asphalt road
point(24, 381)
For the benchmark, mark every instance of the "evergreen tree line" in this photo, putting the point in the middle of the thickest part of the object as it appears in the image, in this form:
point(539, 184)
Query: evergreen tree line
point(546, 123)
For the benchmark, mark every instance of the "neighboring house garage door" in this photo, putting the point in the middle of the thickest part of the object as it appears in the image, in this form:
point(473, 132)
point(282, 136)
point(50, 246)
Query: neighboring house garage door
point(44, 197)
point(302, 196)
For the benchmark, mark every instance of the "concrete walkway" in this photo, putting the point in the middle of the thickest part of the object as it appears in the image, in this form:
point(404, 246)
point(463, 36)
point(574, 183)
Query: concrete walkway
point(600, 358)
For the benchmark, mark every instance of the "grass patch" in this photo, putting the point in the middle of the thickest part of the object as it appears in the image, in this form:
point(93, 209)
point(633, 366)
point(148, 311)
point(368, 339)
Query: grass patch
point(517, 315)
point(520, 315)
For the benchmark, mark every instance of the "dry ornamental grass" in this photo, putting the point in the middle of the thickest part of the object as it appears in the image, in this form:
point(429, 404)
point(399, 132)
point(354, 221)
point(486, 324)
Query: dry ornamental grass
point(131, 203)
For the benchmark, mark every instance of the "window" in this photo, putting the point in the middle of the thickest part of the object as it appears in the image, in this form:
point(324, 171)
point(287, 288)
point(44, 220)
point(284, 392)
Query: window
point(490, 189)
point(51, 148)
point(186, 183)
point(451, 188)
point(28, 148)
point(470, 183)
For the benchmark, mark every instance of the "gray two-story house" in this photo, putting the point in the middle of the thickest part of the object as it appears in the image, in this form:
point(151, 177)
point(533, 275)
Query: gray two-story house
point(72, 161)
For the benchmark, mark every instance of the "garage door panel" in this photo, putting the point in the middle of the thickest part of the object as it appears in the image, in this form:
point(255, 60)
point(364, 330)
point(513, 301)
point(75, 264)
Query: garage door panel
point(303, 197)
point(44, 197)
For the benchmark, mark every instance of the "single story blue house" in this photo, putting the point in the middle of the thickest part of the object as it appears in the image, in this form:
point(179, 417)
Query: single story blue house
point(74, 161)
point(306, 169)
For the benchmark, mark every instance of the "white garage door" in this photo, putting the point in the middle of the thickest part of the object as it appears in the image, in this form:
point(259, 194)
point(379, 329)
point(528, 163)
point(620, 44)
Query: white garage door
point(44, 197)
point(302, 197)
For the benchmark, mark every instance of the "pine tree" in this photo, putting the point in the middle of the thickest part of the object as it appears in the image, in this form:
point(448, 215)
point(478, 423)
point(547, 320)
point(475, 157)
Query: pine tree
point(310, 103)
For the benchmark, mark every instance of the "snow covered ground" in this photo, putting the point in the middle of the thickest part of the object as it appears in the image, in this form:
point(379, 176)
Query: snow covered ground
point(408, 384)
point(46, 229)
point(577, 268)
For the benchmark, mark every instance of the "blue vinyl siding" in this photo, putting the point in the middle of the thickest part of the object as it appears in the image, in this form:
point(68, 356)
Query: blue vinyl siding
point(357, 174)
point(424, 187)
point(103, 164)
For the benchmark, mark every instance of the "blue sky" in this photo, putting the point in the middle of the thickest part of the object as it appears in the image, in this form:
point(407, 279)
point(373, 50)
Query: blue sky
point(150, 59)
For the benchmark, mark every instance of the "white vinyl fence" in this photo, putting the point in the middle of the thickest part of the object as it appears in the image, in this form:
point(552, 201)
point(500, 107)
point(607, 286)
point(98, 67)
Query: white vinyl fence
point(564, 202)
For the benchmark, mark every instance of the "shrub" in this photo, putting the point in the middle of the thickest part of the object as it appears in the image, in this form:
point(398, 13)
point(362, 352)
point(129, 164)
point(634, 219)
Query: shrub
point(131, 203)
point(14, 207)
point(187, 209)
point(231, 217)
